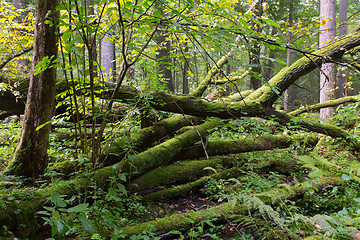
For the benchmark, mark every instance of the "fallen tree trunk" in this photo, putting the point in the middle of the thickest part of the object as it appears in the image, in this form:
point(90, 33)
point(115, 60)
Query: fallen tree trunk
point(315, 126)
point(247, 144)
point(137, 142)
point(19, 211)
point(179, 172)
point(177, 191)
point(331, 103)
point(164, 153)
point(189, 219)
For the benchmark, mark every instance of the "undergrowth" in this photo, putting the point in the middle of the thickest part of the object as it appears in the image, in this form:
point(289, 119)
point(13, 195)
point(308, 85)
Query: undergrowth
point(329, 212)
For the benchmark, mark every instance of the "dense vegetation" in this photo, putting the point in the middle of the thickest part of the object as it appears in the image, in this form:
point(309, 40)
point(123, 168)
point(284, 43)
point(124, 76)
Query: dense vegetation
point(170, 122)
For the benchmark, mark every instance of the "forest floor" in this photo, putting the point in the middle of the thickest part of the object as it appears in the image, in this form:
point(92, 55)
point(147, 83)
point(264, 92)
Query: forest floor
point(298, 192)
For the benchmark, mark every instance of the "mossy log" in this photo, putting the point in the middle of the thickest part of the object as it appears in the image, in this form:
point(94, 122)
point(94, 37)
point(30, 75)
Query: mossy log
point(176, 173)
point(247, 144)
point(12, 203)
point(331, 103)
point(163, 154)
point(179, 190)
point(315, 126)
point(237, 96)
point(209, 77)
point(246, 108)
point(231, 79)
point(189, 219)
point(269, 93)
point(138, 142)
point(146, 137)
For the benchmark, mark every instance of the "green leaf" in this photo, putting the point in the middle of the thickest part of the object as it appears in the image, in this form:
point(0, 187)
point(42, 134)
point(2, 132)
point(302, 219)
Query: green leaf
point(112, 192)
point(50, 23)
point(58, 200)
point(87, 224)
point(122, 177)
point(346, 177)
point(66, 35)
point(122, 189)
point(271, 22)
point(78, 208)
point(244, 23)
point(42, 125)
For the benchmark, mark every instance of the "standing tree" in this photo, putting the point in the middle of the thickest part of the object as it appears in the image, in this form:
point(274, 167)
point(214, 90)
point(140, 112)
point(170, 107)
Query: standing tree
point(340, 78)
point(185, 70)
point(327, 72)
point(107, 56)
point(31, 156)
point(254, 54)
point(289, 93)
point(163, 59)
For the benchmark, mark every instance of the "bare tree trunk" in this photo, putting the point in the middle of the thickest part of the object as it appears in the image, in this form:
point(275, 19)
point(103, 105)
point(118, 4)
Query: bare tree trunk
point(163, 59)
point(185, 71)
point(107, 57)
point(92, 40)
point(254, 55)
point(31, 156)
point(341, 74)
point(288, 96)
point(327, 73)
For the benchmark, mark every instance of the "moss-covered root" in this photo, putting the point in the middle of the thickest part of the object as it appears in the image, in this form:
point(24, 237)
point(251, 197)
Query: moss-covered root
point(177, 191)
point(179, 172)
point(163, 154)
point(222, 147)
point(188, 219)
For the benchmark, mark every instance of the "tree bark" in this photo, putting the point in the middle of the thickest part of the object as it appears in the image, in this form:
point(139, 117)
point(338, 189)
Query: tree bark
point(254, 54)
point(327, 72)
point(163, 58)
point(31, 156)
point(289, 93)
point(185, 74)
point(247, 144)
point(107, 57)
point(341, 74)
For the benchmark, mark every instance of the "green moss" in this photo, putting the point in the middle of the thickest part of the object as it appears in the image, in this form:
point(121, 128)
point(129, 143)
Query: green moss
point(188, 219)
point(175, 173)
point(330, 103)
point(207, 80)
point(21, 164)
point(181, 189)
point(163, 153)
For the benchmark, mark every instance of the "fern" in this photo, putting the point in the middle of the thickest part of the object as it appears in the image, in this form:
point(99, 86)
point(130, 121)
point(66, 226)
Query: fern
point(332, 227)
point(296, 222)
point(320, 166)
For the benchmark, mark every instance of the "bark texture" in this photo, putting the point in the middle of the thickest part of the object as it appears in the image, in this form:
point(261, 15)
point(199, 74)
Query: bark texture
point(327, 72)
point(31, 155)
point(107, 57)
point(341, 74)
